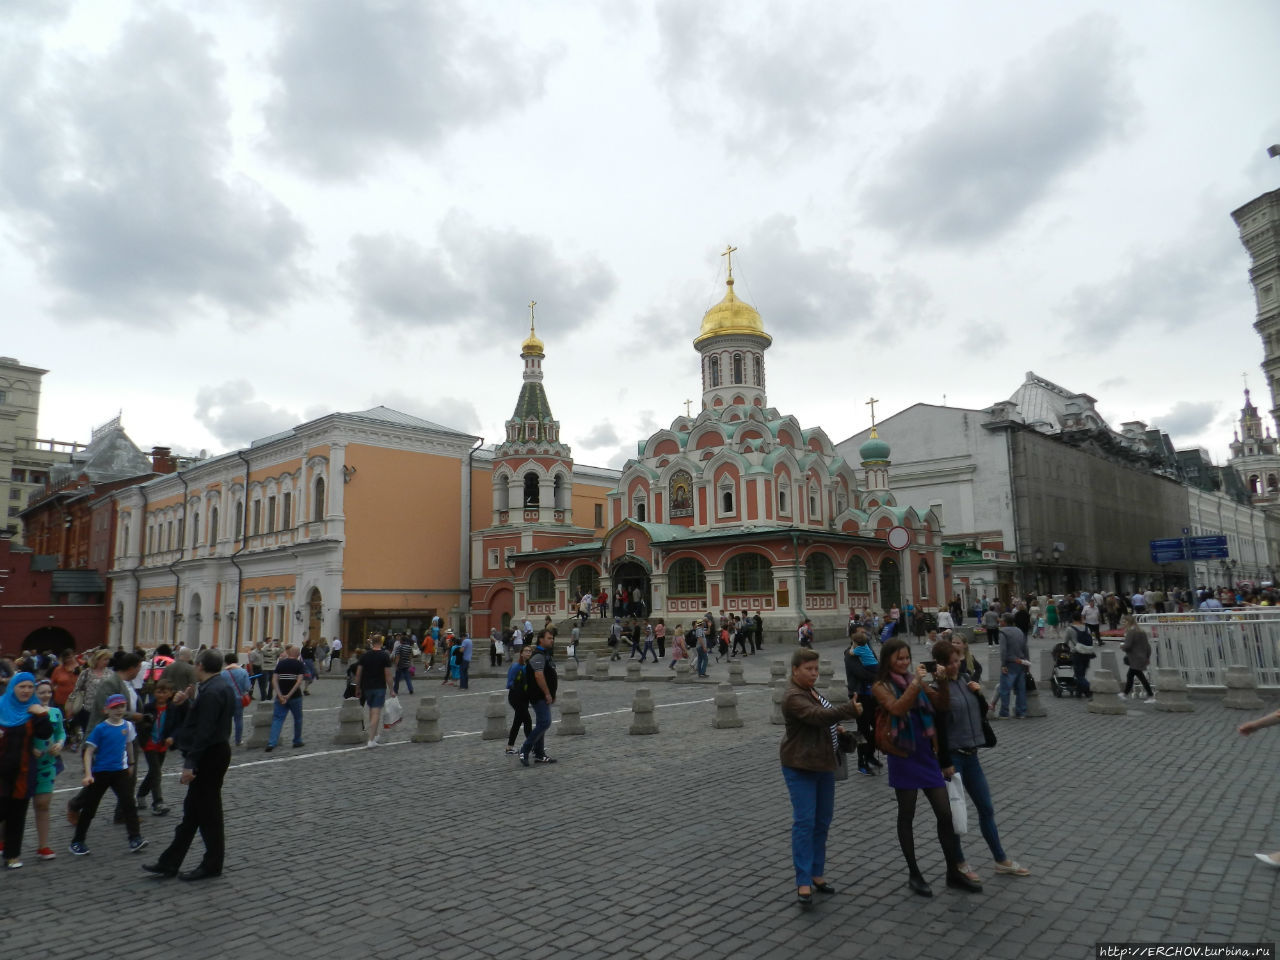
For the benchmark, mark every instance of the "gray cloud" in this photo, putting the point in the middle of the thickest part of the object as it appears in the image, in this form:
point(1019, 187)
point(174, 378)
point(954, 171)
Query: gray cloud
point(114, 171)
point(1188, 418)
point(356, 77)
point(231, 412)
point(601, 435)
point(1183, 285)
point(478, 276)
point(765, 75)
point(452, 412)
point(993, 152)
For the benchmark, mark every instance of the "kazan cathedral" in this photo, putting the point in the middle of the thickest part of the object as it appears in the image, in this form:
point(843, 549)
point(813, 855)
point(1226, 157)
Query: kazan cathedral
point(738, 509)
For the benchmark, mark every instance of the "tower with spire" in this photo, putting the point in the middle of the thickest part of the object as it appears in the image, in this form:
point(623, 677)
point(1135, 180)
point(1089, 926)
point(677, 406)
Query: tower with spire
point(1254, 456)
point(731, 344)
point(532, 468)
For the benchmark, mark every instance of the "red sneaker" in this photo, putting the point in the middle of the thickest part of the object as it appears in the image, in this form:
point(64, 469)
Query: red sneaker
point(44, 853)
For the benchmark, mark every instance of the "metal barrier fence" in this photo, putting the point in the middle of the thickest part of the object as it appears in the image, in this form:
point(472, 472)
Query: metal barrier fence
point(1202, 645)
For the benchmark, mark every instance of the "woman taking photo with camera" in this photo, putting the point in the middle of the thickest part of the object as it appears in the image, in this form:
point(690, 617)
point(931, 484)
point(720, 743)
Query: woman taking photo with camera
point(808, 754)
point(908, 733)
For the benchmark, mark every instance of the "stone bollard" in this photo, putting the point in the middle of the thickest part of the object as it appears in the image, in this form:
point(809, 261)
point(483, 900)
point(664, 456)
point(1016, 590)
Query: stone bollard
point(1172, 690)
point(1106, 691)
point(570, 724)
point(261, 732)
point(826, 675)
point(495, 718)
point(1242, 690)
point(1046, 667)
point(350, 723)
point(428, 722)
point(643, 719)
point(590, 670)
point(991, 674)
point(633, 671)
point(1107, 660)
point(1034, 707)
point(735, 674)
point(601, 669)
point(778, 670)
point(779, 693)
point(726, 708)
point(684, 672)
point(571, 670)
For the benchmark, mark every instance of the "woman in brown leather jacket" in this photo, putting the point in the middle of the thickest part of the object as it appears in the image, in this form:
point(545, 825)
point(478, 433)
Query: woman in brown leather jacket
point(808, 754)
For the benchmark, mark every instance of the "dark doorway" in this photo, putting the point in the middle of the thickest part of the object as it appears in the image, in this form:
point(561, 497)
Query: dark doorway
point(634, 577)
point(49, 638)
point(890, 583)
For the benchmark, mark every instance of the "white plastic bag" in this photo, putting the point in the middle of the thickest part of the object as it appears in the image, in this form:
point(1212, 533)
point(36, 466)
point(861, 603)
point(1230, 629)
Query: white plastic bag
point(959, 810)
point(392, 713)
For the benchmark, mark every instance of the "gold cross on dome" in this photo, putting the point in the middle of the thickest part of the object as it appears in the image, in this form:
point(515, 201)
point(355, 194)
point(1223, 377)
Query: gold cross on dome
point(687, 405)
point(729, 251)
point(872, 404)
point(532, 304)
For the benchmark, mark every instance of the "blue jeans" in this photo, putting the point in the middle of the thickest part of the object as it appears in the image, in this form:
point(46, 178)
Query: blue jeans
point(702, 663)
point(402, 674)
point(975, 784)
point(464, 669)
point(1016, 679)
point(278, 712)
point(813, 798)
point(536, 741)
point(1080, 667)
point(239, 722)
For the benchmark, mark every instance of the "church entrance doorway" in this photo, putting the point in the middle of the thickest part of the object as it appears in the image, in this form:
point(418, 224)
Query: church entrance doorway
point(630, 579)
point(890, 583)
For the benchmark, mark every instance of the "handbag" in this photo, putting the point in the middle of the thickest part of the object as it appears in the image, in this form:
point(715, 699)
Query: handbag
point(988, 733)
point(959, 809)
point(842, 765)
point(884, 737)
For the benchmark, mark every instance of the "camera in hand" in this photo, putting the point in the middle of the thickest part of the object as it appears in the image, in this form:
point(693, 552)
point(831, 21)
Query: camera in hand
point(930, 665)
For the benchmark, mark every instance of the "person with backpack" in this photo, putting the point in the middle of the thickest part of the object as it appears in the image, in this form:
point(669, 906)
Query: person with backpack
point(518, 698)
point(402, 654)
point(1080, 639)
point(540, 685)
point(615, 639)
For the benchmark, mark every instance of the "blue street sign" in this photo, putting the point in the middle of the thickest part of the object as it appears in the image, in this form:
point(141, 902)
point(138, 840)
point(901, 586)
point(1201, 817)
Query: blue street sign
point(1168, 550)
point(1209, 548)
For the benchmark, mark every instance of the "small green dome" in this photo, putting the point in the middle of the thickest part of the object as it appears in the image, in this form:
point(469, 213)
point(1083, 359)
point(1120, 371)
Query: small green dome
point(874, 449)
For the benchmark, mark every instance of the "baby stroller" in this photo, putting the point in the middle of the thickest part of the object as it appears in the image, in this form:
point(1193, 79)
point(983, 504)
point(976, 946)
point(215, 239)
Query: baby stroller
point(1063, 677)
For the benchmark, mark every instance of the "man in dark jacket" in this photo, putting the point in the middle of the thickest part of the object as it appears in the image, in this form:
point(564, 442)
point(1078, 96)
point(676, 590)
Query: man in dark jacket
point(206, 755)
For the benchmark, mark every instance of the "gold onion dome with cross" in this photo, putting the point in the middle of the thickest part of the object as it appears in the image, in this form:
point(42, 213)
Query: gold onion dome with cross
point(731, 315)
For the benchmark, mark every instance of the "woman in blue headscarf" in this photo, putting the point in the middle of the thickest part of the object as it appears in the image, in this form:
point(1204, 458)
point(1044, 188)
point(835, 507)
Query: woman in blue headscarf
point(23, 720)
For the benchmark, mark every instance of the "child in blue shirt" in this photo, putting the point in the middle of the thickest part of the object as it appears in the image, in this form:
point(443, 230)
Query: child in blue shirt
point(109, 764)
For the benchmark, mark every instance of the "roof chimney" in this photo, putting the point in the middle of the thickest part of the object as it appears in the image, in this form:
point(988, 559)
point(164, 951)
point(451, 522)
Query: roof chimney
point(162, 460)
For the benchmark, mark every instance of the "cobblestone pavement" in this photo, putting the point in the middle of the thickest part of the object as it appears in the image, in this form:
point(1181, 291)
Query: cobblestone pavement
point(1140, 827)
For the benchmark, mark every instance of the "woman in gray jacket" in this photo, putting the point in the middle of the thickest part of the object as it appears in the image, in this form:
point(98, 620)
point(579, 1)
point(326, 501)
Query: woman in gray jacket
point(1137, 654)
point(808, 754)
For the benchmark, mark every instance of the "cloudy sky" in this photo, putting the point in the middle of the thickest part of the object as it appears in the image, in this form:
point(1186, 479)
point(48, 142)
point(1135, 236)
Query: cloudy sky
point(224, 223)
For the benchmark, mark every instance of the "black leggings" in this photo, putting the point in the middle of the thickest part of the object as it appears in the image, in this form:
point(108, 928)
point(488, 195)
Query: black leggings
point(522, 718)
point(937, 797)
point(867, 729)
point(1128, 681)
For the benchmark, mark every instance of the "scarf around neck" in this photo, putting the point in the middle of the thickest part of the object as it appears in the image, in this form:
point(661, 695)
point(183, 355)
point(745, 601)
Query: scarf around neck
point(900, 727)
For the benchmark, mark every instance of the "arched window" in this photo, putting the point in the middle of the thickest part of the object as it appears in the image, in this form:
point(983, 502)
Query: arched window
point(542, 586)
point(737, 368)
point(639, 512)
point(317, 505)
point(239, 530)
point(1255, 483)
point(713, 371)
point(814, 512)
point(748, 573)
point(819, 575)
point(726, 496)
point(195, 530)
point(1271, 483)
point(784, 499)
point(923, 571)
point(502, 492)
point(858, 575)
point(213, 526)
point(584, 579)
point(557, 492)
point(757, 371)
point(687, 578)
point(532, 490)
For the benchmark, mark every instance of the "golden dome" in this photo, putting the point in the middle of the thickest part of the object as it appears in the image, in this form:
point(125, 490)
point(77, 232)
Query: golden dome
point(532, 346)
point(731, 315)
